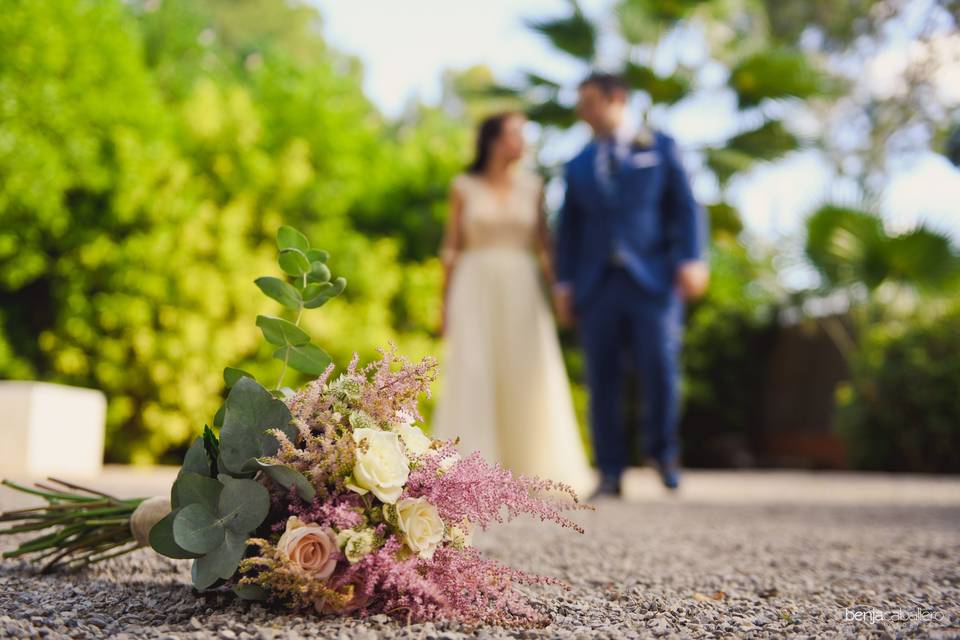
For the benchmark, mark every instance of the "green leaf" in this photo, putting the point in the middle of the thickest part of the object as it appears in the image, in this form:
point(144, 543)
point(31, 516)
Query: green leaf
point(308, 358)
point(288, 237)
point(162, 541)
point(767, 142)
point(323, 292)
point(294, 262)
point(212, 445)
point(195, 460)
point(552, 113)
point(280, 291)
point(281, 332)
point(318, 255)
point(197, 529)
point(661, 89)
point(251, 411)
point(221, 563)
point(287, 477)
point(251, 592)
point(232, 374)
point(243, 505)
point(319, 272)
point(574, 34)
point(193, 488)
point(218, 416)
point(776, 74)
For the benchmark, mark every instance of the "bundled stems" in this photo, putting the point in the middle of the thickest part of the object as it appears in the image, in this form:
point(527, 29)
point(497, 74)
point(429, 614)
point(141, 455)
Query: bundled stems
point(88, 526)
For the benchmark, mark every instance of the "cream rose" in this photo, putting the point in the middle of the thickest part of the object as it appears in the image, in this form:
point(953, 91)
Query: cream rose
point(421, 526)
point(309, 547)
point(413, 439)
point(381, 466)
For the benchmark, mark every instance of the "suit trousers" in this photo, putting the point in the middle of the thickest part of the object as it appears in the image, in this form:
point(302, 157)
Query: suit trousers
point(625, 324)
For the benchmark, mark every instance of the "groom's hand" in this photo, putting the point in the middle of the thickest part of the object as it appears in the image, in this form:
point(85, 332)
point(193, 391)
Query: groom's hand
point(692, 279)
point(563, 305)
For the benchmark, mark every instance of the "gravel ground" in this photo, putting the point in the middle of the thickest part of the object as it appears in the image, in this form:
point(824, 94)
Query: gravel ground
point(727, 557)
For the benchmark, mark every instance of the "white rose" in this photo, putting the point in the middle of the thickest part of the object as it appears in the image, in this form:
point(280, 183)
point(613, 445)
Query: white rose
point(413, 439)
point(381, 466)
point(421, 526)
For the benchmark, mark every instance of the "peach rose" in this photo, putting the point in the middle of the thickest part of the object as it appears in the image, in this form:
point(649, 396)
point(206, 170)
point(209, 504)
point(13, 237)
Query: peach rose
point(310, 547)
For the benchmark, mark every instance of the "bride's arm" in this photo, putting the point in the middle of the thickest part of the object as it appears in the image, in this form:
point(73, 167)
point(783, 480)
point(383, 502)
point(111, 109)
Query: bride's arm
point(544, 243)
point(451, 246)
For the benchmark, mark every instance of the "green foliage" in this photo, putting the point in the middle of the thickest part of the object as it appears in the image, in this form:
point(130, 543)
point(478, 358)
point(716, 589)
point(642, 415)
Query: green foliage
point(776, 73)
point(667, 89)
point(148, 152)
point(902, 411)
point(574, 34)
point(850, 246)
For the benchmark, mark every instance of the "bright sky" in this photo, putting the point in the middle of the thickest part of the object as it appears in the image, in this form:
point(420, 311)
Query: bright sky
point(406, 45)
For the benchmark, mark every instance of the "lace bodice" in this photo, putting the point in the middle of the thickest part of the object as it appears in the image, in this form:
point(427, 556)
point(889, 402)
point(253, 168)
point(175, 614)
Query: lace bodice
point(500, 219)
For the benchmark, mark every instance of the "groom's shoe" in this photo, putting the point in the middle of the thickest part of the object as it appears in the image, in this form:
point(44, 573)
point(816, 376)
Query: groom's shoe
point(609, 487)
point(669, 471)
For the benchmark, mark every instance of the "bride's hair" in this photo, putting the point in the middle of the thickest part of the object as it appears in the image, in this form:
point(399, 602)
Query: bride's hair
point(487, 133)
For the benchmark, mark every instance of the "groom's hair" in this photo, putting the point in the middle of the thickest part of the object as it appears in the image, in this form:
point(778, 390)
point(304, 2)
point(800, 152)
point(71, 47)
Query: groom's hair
point(608, 83)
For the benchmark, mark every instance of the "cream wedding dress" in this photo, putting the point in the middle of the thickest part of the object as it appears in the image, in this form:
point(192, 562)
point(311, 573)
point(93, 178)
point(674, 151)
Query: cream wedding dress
point(504, 388)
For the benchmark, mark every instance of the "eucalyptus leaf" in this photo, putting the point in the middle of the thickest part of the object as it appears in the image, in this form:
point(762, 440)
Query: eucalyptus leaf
point(218, 416)
point(318, 255)
point(193, 488)
point(308, 358)
point(243, 505)
point(281, 291)
point(197, 529)
point(320, 296)
point(195, 460)
point(288, 237)
point(162, 541)
point(221, 563)
point(294, 262)
point(251, 411)
point(319, 272)
point(232, 374)
point(281, 332)
point(287, 477)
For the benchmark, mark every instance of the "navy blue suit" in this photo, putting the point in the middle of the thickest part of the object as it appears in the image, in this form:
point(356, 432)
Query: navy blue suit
point(628, 307)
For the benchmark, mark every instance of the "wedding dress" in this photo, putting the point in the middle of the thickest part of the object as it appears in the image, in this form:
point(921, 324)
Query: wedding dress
point(504, 389)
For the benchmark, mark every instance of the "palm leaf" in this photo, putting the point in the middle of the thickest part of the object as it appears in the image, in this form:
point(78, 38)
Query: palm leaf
point(552, 113)
point(767, 142)
point(726, 162)
point(664, 90)
point(847, 246)
point(777, 73)
point(574, 34)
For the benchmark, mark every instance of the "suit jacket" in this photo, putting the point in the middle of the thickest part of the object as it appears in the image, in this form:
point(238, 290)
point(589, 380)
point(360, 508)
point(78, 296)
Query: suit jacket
point(650, 214)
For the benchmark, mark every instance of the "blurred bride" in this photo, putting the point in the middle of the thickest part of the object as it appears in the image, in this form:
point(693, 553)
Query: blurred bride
point(504, 390)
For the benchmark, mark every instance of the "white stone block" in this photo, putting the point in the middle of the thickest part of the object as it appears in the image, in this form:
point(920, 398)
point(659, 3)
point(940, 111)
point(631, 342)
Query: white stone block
point(50, 430)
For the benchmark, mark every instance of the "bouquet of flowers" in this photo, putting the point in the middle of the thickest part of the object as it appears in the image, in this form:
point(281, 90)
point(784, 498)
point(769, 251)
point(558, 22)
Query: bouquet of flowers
point(329, 498)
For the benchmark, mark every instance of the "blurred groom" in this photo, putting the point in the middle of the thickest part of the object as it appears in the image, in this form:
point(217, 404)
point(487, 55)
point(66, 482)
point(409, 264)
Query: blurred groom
point(630, 246)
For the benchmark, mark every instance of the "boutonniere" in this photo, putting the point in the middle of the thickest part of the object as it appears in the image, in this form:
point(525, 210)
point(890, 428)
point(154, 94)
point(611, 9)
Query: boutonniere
point(644, 138)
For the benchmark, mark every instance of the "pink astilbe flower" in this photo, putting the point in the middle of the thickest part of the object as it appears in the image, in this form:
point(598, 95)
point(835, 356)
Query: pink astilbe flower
point(456, 584)
point(479, 491)
point(342, 511)
point(395, 385)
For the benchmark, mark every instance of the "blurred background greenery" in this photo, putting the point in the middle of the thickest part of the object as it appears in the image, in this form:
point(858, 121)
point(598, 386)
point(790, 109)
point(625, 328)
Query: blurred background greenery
point(150, 149)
